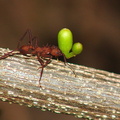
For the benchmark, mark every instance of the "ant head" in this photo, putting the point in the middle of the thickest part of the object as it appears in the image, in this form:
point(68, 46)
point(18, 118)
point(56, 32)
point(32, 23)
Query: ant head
point(55, 51)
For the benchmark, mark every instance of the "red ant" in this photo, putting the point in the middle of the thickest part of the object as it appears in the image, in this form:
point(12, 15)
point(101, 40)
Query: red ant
point(41, 52)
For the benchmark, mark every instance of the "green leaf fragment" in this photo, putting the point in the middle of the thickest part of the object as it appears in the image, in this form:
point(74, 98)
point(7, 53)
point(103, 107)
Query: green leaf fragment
point(77, 48)
point(65, 40)
point(65, 44)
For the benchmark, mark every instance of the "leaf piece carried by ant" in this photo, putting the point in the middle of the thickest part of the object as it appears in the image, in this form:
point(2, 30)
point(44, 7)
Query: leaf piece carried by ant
point(65, 44)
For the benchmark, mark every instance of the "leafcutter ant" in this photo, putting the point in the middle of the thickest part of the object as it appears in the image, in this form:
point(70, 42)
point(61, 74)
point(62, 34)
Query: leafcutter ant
point(41, 52)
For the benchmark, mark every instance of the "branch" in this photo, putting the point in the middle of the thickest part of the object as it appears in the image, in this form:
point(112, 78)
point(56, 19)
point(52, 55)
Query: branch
point(93, 94)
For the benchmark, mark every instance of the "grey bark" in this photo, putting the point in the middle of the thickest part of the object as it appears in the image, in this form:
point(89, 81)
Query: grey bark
point(92, 94)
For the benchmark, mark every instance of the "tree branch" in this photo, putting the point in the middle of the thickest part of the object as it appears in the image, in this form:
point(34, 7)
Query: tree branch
point(93, 94)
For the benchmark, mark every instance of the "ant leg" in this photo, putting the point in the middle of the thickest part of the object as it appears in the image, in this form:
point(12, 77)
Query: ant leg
point(66, 64)
point(41, 74)
point(42, 67)
point(7, 54)
point(48, 61)
point(28, 31)
point(43, 64)
point(35, 44)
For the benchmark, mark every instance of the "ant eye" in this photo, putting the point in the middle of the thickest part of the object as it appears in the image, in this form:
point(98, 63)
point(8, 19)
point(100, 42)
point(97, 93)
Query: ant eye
point(57, 53)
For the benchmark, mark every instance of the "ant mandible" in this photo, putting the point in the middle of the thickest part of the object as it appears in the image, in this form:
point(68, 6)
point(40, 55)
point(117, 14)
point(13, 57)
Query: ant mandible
point(41, 52)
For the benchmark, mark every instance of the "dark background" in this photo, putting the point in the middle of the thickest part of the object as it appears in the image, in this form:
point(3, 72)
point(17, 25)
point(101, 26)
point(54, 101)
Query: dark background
point(94, 23)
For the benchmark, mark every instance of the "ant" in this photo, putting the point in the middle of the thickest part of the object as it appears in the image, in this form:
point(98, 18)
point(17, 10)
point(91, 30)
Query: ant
point(41, 52)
